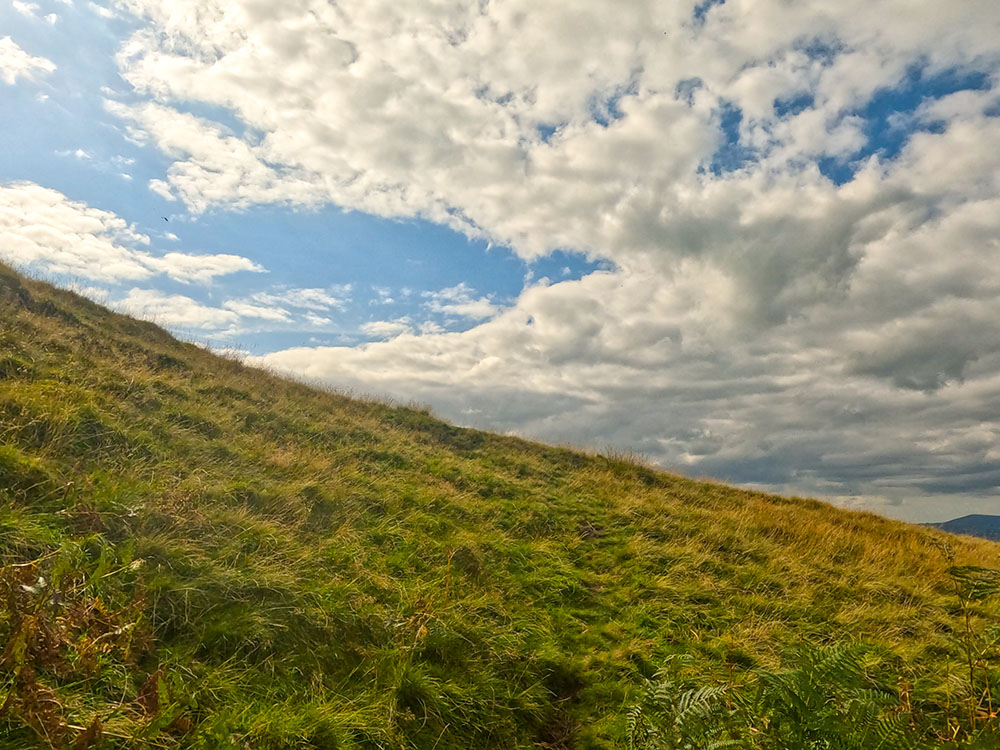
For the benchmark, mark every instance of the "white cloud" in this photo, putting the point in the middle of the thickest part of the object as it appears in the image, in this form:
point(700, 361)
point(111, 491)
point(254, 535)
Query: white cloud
point(15, 62)
point(200, 268)
point(78, 153)
point(100, 10)
point(215, 167)
point(359, 119)
point(175, 310)
point(161, 189)
point(459, 301)
point(383, 296)
point(248, 310)
point(387, 329)
point(317, 320)
point(760, 324)
point(333, 298)
point(32, 10)
point(26, 9)
point(43, 229)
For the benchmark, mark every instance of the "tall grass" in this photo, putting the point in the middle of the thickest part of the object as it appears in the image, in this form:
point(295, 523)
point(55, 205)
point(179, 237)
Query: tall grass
point(202, 555)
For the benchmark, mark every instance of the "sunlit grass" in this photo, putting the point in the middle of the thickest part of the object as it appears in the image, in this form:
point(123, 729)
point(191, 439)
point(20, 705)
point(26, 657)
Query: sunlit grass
point(250, 562)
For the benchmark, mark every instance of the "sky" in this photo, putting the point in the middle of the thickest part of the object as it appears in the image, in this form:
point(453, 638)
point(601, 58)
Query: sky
point(750, 240)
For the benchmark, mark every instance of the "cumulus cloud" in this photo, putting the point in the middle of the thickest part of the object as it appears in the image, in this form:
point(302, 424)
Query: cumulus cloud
point(101, 10)
point(42, 229)
point(383, 296)
point(162, 189)
point(317, 320)
point(460, 301)
point(283, 305)
point(761, 322)
point(249, 310)
point(200, 268)
point(175, 310)
point(26, 9)
point(16, 63)
point(344, 103)
point(215, 166)
point(318, 300)
point(387, 329)
point(76, 154)
point(32, 10)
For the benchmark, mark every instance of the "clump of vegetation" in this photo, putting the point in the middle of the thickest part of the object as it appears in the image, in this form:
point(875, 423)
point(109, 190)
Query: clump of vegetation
point(80, 622)
point(830, 699)
point(197, 554)
point(845, 697)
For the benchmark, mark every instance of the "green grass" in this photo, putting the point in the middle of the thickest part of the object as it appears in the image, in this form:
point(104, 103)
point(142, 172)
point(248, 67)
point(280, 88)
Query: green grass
point(199, 554)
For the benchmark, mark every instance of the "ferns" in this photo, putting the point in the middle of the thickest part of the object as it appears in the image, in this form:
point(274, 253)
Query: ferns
point(677, 712)
point(829, 701)
point(837, 697)
point(834, 698)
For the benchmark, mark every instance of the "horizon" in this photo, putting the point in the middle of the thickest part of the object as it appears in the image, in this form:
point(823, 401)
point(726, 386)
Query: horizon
point(745, 241)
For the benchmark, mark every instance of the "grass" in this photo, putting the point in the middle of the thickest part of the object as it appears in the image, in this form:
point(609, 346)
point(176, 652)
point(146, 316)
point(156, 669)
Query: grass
point(200, 554)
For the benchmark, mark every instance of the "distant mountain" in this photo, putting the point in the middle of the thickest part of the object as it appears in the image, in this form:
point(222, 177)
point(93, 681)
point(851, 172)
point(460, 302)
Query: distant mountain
point(977, 524)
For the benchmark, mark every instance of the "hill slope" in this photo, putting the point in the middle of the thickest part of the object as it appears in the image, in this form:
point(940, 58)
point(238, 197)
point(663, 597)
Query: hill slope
point(199, 554)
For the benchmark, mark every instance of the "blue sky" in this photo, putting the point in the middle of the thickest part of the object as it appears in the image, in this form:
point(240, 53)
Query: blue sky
point(745, 240)
point(60, 134)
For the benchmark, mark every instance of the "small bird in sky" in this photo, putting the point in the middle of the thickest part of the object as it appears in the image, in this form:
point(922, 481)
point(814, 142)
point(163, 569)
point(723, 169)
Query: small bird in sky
point(166, 219)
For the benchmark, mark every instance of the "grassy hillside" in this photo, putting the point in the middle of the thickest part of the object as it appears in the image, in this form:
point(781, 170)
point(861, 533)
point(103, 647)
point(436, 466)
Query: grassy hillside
point(198, 554)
